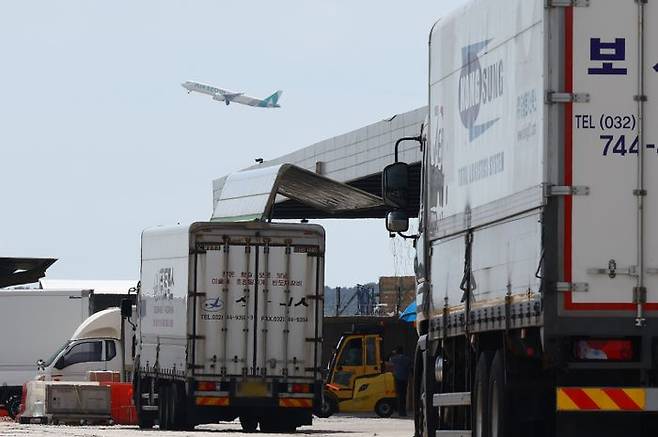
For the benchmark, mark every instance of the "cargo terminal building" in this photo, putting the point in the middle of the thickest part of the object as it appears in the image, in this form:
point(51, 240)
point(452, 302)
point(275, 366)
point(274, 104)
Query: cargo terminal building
point(339, 177)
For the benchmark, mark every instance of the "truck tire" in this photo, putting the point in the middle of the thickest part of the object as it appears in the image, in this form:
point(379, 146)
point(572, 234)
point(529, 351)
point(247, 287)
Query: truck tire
point(249, 423)
point(425, 415)
point(145, 420)
point(481, 397)
point(178, 408)
point(385, 407)
point(164, 401)
point(499, 402)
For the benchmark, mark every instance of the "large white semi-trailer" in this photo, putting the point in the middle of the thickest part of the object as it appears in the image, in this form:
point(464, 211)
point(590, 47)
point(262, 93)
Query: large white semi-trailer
point(230, 325)
point(33, 323)
point(537, 257)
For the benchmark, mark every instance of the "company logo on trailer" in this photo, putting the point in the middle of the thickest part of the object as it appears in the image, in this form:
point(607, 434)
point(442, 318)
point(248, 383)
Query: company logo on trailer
point(163, 283)
point(213, 305)
point(478, 86)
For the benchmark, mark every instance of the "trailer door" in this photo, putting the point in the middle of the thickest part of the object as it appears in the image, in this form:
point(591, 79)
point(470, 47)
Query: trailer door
point(611, 159)
point(289, 310)
point(226, 284)
point(258, 308)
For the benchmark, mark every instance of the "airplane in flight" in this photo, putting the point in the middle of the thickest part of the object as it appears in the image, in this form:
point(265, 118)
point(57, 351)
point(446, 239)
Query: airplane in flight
point(229, 96)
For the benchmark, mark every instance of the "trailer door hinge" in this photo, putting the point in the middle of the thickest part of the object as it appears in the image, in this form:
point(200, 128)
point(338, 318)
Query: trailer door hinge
point(576, 287)
point(555, 97)
point(567, 3)
point(566, 190)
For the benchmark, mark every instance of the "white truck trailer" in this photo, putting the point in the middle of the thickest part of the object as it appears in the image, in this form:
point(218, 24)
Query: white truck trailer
point(537, 257)
point(230, 325)
point(33, 323)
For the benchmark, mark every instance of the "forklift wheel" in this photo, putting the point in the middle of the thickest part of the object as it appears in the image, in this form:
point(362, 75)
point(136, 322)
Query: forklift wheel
point(384, 408)
point(327, 409)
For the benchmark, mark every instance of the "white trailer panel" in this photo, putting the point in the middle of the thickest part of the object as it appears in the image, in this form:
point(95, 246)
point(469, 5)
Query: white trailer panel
point(258, 314)
point(33, 325)
point(509, 120)
point(486, 127)
point(612, 139)
point(162, 305)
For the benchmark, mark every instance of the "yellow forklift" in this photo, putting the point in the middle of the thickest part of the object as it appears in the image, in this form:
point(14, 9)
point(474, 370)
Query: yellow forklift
point(357, 380)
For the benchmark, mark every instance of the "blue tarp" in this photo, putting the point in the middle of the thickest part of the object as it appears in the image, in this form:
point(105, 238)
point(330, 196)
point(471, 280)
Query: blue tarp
point(409, 313)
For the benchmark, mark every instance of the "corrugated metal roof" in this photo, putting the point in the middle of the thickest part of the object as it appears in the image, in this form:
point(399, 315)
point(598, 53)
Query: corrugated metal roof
point(251, 194)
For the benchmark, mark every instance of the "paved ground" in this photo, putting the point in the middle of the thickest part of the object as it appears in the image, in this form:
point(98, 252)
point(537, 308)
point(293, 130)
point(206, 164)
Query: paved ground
point(336, 426)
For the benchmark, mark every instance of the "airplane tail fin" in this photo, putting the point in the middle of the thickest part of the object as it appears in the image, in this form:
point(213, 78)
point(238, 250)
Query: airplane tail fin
point(274, 99)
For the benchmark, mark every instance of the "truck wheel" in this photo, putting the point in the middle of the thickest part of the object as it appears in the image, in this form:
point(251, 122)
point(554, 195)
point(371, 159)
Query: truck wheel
point(498, 399)
point(145, 419)
point(164, 420)
point(384, 408)
point(425, 415)
point(328, 408)
point(481, 396)
point(248, 423)
point(177, 408)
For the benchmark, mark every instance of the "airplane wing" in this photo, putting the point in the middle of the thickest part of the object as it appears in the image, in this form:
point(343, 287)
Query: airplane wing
point(246, 100)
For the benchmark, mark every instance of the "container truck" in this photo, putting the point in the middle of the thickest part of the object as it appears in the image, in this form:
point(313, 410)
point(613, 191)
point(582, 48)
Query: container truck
point(230, 325)
point(536, 256)
point(32, 324)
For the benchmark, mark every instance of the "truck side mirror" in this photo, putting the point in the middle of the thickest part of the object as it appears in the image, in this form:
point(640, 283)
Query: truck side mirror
point(395, 185)
point(126, 308)
point(397, 221)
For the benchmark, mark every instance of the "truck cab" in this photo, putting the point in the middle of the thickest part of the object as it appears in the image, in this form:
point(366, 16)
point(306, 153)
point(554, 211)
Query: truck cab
point(94, 346)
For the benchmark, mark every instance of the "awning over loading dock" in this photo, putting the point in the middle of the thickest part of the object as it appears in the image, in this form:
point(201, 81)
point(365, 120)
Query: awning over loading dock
point(353, 159)
point(254, 194)
point(17, 271)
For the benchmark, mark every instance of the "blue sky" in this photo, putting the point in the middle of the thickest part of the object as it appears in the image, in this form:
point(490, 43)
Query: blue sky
point(99, 140)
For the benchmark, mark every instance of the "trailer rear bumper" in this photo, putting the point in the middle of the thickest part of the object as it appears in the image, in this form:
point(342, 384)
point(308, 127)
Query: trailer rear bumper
point(226, 401)
point(287, 411)
point(606, 399)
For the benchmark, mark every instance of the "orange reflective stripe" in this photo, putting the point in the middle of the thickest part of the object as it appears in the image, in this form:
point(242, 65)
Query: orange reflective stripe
point(212, 401)
point(600, 399)
point(295, 403)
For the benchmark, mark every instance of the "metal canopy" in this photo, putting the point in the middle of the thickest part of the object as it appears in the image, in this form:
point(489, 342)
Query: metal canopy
point(293, 209)
point(17, 271)
point(252, 195)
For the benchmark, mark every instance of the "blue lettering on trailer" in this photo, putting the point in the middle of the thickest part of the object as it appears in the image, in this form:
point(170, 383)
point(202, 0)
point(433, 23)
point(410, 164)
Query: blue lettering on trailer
point(607, 51)
point(478, 86)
